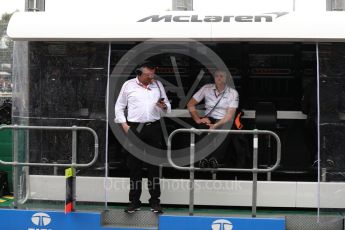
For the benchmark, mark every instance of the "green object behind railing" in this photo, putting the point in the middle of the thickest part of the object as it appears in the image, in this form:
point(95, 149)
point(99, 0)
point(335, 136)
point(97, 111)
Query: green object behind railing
point(6, 153)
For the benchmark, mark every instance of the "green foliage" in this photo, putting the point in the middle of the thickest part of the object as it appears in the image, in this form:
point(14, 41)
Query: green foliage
point(5, 18)
point(7, 44)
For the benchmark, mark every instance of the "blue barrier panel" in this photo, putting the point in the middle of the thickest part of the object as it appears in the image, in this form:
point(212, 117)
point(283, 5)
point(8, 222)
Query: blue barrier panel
point(50, 220)
point(220, 223)
point(55, 220)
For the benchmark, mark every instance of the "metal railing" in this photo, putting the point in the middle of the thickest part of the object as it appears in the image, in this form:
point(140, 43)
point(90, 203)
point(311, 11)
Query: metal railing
point(255, 170)
point(73, 164)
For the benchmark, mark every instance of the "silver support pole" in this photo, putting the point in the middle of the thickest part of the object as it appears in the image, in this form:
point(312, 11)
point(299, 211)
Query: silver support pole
point(106, 163)
point(214, 175)
point(15, 167)
point(269, 157)
point(74, 145)
point(318, 132)
point(255, 174)
point(24, 188)
point(74, 161)
point(55, 169)
point(191, 174)
point(160, 171)
point(323, 174)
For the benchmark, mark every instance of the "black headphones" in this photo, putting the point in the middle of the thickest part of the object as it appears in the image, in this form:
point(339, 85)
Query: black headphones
point(147, 64)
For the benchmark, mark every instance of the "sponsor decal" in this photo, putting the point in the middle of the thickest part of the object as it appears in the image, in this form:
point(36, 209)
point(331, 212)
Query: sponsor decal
point(41, 220)
point(221, 224)
point(265, 17)
point(167, 222)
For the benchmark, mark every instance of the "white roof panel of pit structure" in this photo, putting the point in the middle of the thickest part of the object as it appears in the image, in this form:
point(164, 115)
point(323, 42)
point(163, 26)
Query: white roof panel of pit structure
point(171, 25)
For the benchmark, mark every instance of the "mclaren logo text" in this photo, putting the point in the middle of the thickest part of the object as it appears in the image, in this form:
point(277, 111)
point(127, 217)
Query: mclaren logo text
point(266, 17)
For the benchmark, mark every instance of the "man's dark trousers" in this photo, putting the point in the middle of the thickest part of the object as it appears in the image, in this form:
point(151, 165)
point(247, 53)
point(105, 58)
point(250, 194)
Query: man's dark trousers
point(151, 135)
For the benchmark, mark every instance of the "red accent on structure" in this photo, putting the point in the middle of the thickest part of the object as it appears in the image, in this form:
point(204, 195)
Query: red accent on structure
point(69, 207)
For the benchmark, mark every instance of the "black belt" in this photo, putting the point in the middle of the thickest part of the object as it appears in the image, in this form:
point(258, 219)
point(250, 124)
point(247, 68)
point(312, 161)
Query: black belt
point(213, 120)
point(142, 123)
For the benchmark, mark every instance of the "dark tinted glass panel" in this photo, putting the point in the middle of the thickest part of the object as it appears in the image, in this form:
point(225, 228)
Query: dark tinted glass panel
point(67, 87)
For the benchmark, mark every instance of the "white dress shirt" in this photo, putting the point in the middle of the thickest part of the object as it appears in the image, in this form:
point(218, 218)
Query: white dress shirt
point(140, 102)
point(211, 95)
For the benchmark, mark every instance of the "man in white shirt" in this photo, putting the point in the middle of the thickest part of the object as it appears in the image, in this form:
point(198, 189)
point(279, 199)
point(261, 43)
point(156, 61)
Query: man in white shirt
point(221, 102)
point(146, 101)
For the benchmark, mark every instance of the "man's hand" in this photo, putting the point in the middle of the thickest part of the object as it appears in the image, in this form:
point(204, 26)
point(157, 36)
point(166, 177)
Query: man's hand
point(203, 120)
point(162, 105)
point(211, 126)
point(125, 127)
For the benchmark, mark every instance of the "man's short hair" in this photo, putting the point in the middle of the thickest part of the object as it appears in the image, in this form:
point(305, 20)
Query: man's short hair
point(146, 64)
point(220, 71)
